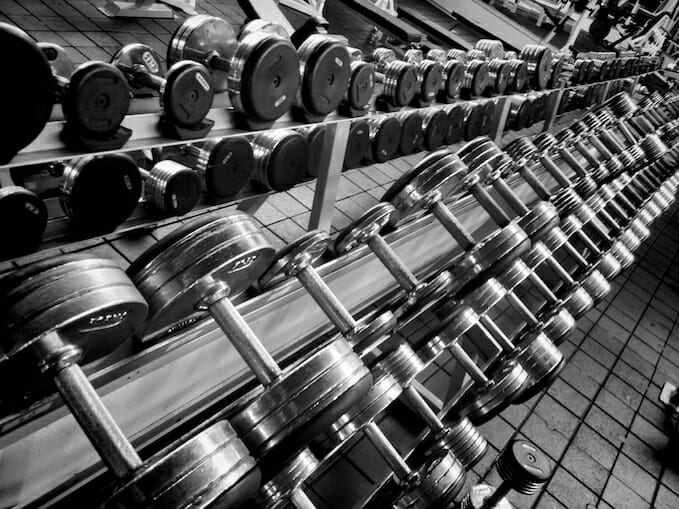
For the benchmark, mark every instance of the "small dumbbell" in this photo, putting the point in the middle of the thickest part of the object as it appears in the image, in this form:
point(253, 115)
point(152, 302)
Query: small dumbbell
point(453, 75)
point(358, 144)
point(69, 309)
point(281, 159)
point(385, 138)
point(24, 219)
point(429, 73)
point(411, 132)
point(186, 91)
point(522, 467)
point(398, 79)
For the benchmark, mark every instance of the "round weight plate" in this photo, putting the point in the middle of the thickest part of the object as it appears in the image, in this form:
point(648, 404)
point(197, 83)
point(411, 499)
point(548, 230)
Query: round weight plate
point(488, 109)
point(315, 138)
point(24, 219)
point(463, 439)
point(61, 63)
point(518, 78)
point(453, 72)
point(543, 65)
point(525, 466)
point(28, 96)
point(542, 360)
point(207, 35)
point(411, 133)
point(96, 99)
point(325, 76)
point(473, 119)
point(209, 470)
point(304, 401)
point(441, 479)
point(436, 130)
point(361, 85)
point(291, 477)
point(456, 125)
point(138, 56)
point(290, 260)
point(405, 86)
point(372, 221)
point(226, 165)
point(480, 79)
point(90, 300)
point(386, 140)
point(555, 74)
point(181, 188)
point(266, 79)
point(285, 164)
point(425, 164)
point(500, 76)
point(358, 144)
point(187, 94)
point(370, 334)
point(523, 115)
point(230, 248)
point(100, 192)
point(431, 79)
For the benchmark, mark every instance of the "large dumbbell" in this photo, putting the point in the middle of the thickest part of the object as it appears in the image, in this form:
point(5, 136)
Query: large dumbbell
point(434, 484)
point(419, 295)
point(476, 77)
point(24, 218)
point(223, 164)
point(522, 467)
point(539, 60)
point(385, 137)
point(429, 72)
point(281, 159)
point(411, 132)
point(287, 485)
point(296, 260)
point(453, 74)
point(200, 267)
point(73, 308)
point(260, 71)
point(410, 194)
point(186, 91)
point(94, 98)
point(398, 79)
point(358, 144)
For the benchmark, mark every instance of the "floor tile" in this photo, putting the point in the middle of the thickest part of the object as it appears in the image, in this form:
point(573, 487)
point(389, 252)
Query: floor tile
point(620, 496)
point(635, 477)
point(651, 435)
point(666, 499)
point(606, 426)
point(569, 491)
point(585, 469)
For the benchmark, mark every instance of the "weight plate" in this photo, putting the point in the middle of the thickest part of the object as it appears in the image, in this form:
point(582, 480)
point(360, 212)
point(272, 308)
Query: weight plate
point(542, 217)
point(293, 258)
point(401, 78)
point(101, 192)
point(281, 159)
point(542, 360)
point(96, 99)
point(30, 89)
point(386, 138)
point(187, 94)
point(427, 163)
point(210, 470)
point(441, 479)
point(521, 114)
point(473, 119)
point(169, 274)
point(89, 300)
point(315, 138)
point(226, 165)
point(370, 334)
point(361, 85)
point(137, 56)
point(25, 219)
point(453, 76)
point(431, 79)
point(488, 109)
point(456, 125)
point(463, 439)
point(360, 230)
point(479, 77)
point(61, 64)
point(518, 75)
point(325, 72)
point(411, 133)
point(499, 75)
point(291, 477)
point(435, 129)
point(358, 144)
point(173, 188)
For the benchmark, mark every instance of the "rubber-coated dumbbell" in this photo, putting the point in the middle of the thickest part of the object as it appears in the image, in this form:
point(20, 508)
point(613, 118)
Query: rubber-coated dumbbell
point(385, 137)
point(281, 159)
point(398, 79)
point(453, 74)
point(539, 60)
point(24, 217)
point(358, 144)
point(429, 72)
point(73, 308)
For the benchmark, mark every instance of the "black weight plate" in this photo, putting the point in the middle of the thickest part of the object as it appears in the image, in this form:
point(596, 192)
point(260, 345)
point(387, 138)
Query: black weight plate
point(96, 99)
point(270, 80)
point(520, 79)
point(406, 86)
point(315, 139)
point(581, 71)
point(104, 193)
point(455, 129)
point(453, 80)
point(588, 97)
point(188, 93)
point(24, 217)
point(411, 134)
point(326, 76)
point(524, 115)
point(437, 128)
point(473, 121)
point(27, 92)
point(358, 144)
point(481, 80)
point(432, 81)
point(361, 85)
point(386, 140)
point(543, 67)
point(488, 111)
point(229, 166)
point(501, 81)
point(604, 71)
point(555, 75)
point(287, 162)
point(182, 192)
point(538, 109)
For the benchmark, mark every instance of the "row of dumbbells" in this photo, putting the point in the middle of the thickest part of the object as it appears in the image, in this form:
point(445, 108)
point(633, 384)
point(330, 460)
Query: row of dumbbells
point(265, 71)
point(600, 184)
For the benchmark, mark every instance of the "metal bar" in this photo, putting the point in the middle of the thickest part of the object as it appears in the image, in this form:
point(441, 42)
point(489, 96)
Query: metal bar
point(553, 108)
point(329, 172)
point(497, 127)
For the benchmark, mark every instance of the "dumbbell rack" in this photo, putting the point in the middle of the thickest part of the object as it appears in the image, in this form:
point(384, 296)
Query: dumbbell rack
point(270, 315)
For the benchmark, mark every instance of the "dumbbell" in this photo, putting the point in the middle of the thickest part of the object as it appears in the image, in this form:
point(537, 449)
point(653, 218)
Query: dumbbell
point(435, 127)
point(94, 96)
point(202, 265)
point(398, 79)
point(456, 124)
point(518, 75)
point(296, 260)
point(419, 296)
point(520, 115)
point(498, 69)
point(539, 60)
point(385, 137)
point(434, 484)
point(453, 75)
point(170, 188)
point(72, 308)
point(522, 467)
point(223, 164)
point(185, 93)
point(476, 77)
point(408, 196)
point(325, 68)
point(260, 71)
point(24, 216)
point(412, 132)
point(287, 485)
point(473, 119)
point(358, 144)
point(315, 136)
point(492, 48)
point(600, 69)
point(429, 72)
point(281, 159)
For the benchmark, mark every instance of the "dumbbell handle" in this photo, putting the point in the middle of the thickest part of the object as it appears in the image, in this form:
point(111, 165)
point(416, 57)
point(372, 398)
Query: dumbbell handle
point(211, 59)
point(600, 147)
point(398, 270)
point(508, 195)
point(467, 363)
point(142, 76)
point(591, 157)
point(499, 336)
point(326, 299)
point(387, 450)
point(299, 499)
point(571, 161)
point(413, 396)
point(555, 171)
point(489, 204)
point(86, 406)
point(494, 498)
point(453, 226)
point(241, 336)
